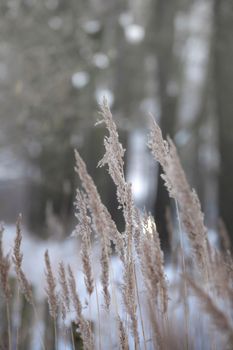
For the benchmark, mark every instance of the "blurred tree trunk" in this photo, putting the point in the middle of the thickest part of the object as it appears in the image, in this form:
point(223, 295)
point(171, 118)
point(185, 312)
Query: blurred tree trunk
point(224, 94)
point(162, 40)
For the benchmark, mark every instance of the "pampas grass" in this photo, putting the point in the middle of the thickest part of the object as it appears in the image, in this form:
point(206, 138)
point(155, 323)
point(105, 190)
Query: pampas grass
point(64, 299)
point(4, 277)
point(17, 258)
point(5, 264)
point(145, 308)
point(83, 325)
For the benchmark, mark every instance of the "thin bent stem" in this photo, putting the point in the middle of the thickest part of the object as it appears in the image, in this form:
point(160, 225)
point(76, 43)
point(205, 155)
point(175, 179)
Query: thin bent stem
point(55, 333)
point(89, 304)
point(97, 302)
point(17, 326)
point(65, 334)
point(186, 310)
point(8, 325)
point(37, 319)
point(72, 337)
point(113, 289)
point(98, 311)
point(140, 309)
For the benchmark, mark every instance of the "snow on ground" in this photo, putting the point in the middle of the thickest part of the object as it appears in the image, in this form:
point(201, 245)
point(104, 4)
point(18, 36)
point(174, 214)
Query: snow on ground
point(68, 251)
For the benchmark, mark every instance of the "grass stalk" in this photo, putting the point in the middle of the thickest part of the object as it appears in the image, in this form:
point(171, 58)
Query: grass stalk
point(9, 325)
point(140, 310)
point(186, 308)
point(17, 327)
point(72, 337)
point(98, 313)
point(55, 333)
point(38, 320)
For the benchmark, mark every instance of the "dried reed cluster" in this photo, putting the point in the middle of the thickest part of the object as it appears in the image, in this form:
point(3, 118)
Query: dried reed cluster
point(146, 309)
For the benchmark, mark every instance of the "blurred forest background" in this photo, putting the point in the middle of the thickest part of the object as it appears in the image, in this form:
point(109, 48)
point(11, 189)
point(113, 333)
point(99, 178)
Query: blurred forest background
point(58, 58)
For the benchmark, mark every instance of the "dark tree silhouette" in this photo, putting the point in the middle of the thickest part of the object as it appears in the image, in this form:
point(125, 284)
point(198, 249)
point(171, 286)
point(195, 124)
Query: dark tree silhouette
point(224, 94)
